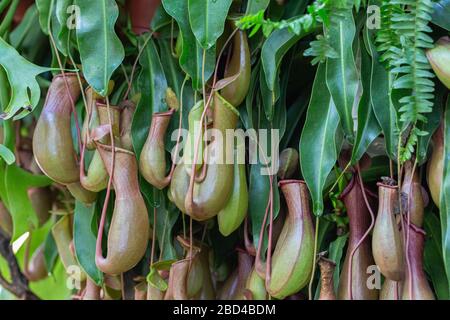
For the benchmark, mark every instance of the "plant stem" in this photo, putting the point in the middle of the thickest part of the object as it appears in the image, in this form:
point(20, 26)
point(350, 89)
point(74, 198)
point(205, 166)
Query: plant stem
point(19, 285)
point(316, 240)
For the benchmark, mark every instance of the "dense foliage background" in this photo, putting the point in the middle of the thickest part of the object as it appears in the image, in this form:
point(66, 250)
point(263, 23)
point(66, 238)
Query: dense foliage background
point(349, 84)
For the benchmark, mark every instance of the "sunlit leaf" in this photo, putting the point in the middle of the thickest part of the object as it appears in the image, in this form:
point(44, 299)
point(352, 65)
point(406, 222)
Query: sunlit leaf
point(318, 141)
point(101, 50)
point(25, 90)
point(207, 19)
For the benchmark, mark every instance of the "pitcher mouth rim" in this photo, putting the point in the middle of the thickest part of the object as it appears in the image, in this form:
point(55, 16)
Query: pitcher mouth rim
point(290, 181)
point(167, 113)
point(117, 149)
point(66, 74)
point(384, 185)
point(104, 105)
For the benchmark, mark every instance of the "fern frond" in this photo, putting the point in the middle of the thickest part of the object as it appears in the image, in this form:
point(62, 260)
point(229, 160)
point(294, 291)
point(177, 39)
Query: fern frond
point(387, 38)
point(403, 39)
point(320, 49)
point(317, 13)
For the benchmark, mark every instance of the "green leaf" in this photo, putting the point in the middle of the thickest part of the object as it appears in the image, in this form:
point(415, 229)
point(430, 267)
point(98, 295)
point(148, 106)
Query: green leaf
point(154, 278)
point(85, 240)
point(259, 192)
point(260, 171)
point(191, 57)
point(254, 6)
point(18, 181)
point(175, 78)
point(294, 113)
point(441, 13)
point(152, 85)
point(273, 51)
point(43, 7)
point(342, 75)
point(368, 128)
point(434, 264)
point(172, 71)
point(445, 195)
point(50, 252)
point(160, 19)
point(7, 155)
point(26, 30)
point(268, 97)
point(248, 117)
point(430, 126)
point(335, 254)
point(59, 27)
point(101, 50)
point(166, 217)
point(53, 287)
point(380, 94)
point(25, 90)
point(318, 140)
point(207, 18)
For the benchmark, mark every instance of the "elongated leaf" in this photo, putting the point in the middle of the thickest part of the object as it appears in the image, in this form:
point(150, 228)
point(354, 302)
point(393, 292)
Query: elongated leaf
point(18, 182)
point(44, 7)
point(191, 57)
point(380, 94)
point(273, 51)
point(342, 76)
point(55, 12)
point(268, 97)
point(259, 192)
point(445, 195)
point(441, 13)
point(7, 155)
point(318, 140)
point(175, 78)
point(50, 252)
point(259, 181)
point(59, 21)
point(368, 128)
point(167, 216)
point(84, 240)
point(207, 18)
point(335, 254)
point(434, 264)
point(254, 6)
point(249, 118)
point(294, 113)
point(152, 86)
point(26, 30)
point(25, 91)
point(101, 51)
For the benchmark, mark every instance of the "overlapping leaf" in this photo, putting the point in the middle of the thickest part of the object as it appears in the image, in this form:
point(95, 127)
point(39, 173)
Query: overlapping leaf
point(191, 58)
point(342, 75)
point(101, 50)
point(25, 91)
point(207, 19)
point(318, 141)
